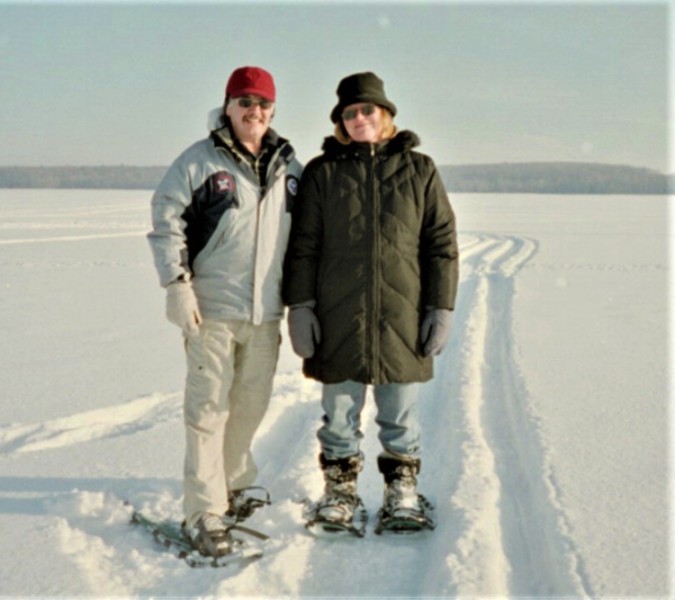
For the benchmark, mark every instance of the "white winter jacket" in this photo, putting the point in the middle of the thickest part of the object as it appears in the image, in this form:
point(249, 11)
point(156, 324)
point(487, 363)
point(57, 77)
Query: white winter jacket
point(209, 222)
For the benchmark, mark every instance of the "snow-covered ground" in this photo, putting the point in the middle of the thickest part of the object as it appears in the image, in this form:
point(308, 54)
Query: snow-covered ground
point(546, 429)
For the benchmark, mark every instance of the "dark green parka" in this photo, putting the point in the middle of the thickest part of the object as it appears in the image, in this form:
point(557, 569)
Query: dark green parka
point(373, 243)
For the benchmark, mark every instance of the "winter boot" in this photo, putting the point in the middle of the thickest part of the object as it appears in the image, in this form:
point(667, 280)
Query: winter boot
point(210, 536)
point(339, 501)
point(403, 509)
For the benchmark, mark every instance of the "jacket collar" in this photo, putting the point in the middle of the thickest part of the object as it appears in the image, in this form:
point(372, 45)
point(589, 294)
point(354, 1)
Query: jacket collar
point(403, 141)
point(222, 135)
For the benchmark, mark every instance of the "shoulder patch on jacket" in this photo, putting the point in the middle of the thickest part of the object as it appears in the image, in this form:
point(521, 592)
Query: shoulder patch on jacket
point(223, 188)
point(291, 191)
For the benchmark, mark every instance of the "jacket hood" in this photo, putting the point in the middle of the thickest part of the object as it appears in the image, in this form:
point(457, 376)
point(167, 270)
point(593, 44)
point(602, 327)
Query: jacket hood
point(403, 141)
point(215, 119)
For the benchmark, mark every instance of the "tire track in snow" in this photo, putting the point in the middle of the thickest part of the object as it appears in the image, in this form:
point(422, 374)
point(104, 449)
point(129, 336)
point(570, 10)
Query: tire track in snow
point(512, 539)
point(542, 556)
point(467, 557)
point(469, 536)
point(122, 419)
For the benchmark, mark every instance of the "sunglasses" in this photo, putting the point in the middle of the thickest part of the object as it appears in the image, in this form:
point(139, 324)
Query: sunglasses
point(366, 110)
point(246, 102)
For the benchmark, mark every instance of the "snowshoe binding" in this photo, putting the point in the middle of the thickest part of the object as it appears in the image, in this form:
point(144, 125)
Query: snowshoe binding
point(333, 517)
point(245, 501)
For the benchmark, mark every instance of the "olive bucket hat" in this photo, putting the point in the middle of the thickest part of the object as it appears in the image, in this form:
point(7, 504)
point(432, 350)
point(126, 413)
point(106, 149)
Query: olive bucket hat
point(360, 87)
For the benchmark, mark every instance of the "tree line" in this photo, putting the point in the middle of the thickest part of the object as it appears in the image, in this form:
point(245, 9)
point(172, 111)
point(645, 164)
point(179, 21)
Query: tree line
point(534, 178)
point(555, 178)
point(104, 177)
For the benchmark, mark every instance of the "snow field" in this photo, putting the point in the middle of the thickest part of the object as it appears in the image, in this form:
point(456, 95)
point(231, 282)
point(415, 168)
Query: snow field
point(537, 489)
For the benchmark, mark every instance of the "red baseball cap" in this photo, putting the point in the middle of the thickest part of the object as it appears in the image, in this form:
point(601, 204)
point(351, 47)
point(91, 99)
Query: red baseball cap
point(251, 80)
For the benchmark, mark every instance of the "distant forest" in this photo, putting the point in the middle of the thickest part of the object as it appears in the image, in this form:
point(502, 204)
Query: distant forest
point(111, 178)
point(527, 178)
point(555, 178)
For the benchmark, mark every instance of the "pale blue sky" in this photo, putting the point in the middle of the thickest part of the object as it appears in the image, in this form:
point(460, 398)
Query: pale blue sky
point(131, 83)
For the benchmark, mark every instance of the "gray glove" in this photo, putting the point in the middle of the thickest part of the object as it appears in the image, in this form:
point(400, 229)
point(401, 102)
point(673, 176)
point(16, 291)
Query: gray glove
point(182, 308)
point(304, 329)
point(435, 331)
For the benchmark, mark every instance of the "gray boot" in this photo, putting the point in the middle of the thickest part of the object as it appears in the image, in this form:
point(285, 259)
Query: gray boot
point(340, 499)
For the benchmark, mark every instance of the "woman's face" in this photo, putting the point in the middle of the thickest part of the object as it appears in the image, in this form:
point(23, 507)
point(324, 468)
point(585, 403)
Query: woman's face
point(363, 122)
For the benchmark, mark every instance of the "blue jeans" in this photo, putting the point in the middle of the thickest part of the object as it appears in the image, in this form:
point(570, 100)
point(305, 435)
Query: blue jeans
point(341, 435)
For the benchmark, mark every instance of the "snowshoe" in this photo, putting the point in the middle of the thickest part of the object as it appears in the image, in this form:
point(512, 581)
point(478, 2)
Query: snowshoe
point(406, 520)
point(172, 537)
point(245, 501)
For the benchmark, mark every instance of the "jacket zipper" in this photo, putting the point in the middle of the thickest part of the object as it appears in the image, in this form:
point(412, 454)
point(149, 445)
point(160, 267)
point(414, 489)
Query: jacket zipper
point(374, 203)
point(263, 189)
point(255, 261)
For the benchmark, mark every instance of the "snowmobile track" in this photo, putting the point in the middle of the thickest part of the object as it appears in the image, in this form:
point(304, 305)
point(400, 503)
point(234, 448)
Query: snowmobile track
point(505, 494)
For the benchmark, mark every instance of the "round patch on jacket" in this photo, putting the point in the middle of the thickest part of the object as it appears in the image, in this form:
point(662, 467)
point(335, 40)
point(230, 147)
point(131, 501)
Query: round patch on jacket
point(292, 185)
point(291, 191)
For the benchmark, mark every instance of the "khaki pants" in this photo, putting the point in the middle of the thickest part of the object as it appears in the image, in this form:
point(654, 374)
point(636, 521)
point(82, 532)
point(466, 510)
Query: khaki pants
point(231, 366)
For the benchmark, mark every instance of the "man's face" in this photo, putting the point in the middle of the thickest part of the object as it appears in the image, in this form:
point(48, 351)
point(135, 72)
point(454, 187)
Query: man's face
point(250, 116)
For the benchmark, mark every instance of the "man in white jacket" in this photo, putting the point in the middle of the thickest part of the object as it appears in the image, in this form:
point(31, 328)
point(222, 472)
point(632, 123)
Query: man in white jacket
point(221, 219)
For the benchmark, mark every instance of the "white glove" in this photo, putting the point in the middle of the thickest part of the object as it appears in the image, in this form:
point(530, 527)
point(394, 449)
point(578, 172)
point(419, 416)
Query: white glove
point(182, 308)
point(435, 331)
point(304, 329)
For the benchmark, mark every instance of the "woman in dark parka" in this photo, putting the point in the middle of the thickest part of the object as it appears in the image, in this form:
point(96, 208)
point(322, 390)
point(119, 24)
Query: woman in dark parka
point(371, 278)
